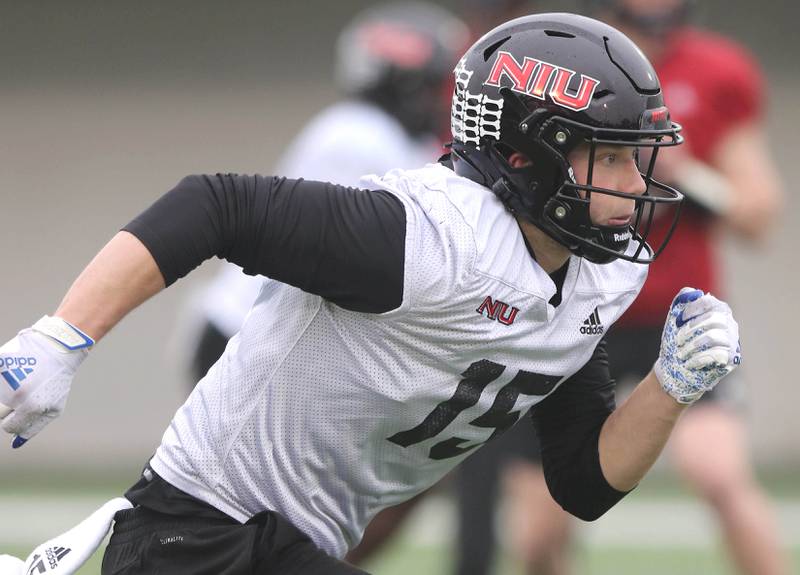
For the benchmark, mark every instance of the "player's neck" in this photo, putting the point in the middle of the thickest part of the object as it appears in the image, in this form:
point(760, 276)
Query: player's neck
point(549, 254)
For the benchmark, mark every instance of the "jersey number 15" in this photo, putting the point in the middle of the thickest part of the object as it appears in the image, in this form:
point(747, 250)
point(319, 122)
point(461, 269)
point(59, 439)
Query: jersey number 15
point(499, 416)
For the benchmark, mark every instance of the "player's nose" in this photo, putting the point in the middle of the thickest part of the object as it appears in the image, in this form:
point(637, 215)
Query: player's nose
point(634, 183)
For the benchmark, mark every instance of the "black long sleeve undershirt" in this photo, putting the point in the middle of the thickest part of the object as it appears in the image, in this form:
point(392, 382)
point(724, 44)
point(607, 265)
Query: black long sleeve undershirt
point(344, 244)
point(568, 423)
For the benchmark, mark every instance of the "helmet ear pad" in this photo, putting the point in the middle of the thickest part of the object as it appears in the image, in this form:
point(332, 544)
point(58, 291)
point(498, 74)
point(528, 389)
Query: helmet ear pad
point(525, 189)
point(546, 145)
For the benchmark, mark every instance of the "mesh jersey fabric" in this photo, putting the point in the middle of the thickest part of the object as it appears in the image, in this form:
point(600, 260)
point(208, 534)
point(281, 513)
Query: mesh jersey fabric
point(297, 414)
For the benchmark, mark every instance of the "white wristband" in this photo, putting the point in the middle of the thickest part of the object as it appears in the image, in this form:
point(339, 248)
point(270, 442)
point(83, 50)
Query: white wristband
point(66, 334)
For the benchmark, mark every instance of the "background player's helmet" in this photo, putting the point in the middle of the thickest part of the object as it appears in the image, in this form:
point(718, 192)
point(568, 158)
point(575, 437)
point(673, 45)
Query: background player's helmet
point(654, 20)
point(541, 85)
point(398, 56)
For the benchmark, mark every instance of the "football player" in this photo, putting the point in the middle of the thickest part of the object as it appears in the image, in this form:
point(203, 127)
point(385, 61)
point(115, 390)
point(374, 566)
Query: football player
point(414, 318)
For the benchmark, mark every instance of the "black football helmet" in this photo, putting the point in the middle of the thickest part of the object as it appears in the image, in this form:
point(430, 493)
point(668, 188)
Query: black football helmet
point(399, 56)
point(541, 85)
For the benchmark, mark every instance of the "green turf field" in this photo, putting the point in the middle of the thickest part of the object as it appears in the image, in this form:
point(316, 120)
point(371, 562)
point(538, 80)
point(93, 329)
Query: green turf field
point(423, 546)
point(402, 558)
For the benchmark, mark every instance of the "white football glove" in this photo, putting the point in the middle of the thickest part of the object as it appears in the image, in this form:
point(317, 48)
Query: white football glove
point(699, 345)
point(10, 565)
point(66, 553)
point(36, 371)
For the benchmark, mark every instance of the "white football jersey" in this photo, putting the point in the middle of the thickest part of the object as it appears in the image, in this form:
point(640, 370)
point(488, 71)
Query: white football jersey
point(340, 145)
point(328, 416)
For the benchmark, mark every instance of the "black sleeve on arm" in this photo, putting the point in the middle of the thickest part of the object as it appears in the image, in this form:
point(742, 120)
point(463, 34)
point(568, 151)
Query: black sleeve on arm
point(568, 423)
point(344, 244)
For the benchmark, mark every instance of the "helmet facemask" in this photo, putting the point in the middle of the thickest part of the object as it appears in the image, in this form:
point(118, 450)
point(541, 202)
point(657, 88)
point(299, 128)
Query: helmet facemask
point(565, 214)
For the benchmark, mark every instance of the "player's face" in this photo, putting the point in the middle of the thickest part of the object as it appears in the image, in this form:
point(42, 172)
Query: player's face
point(615, 168)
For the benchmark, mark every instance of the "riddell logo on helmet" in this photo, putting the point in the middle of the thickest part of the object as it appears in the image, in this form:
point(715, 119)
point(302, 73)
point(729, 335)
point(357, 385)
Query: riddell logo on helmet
point(533, 77)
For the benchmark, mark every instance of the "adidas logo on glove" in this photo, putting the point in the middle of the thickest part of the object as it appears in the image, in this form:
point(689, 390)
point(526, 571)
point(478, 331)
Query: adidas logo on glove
point(52, 556)
point(16, 369)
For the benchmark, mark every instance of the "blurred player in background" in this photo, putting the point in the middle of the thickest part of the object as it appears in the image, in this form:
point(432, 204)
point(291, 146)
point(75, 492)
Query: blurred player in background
point(715, 91)
point(393, 63)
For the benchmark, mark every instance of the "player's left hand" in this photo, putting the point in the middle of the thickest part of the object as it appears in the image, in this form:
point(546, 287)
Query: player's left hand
point(699, 345)
point(65, 554)
point(36, 372)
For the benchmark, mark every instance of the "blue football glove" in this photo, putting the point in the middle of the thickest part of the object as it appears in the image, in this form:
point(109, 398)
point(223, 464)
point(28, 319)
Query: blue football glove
point(699, 345)
point(36, 372)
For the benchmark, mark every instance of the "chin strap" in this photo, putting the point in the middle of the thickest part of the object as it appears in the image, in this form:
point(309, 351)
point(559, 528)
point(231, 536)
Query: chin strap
point(480, 169)
point(511, 200)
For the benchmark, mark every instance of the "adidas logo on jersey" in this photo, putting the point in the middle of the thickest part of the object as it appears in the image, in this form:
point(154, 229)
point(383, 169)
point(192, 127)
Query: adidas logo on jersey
point(592, 325)
point(50, 561)
point(16, 369)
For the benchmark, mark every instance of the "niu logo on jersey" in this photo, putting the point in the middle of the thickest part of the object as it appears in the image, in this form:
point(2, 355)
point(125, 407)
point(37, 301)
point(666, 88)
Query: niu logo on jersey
point(498, 310)
point(533, 77)
point(592, 324)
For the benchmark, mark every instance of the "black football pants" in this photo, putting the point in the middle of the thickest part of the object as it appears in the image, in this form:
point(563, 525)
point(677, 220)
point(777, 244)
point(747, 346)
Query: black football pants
point(147, 542)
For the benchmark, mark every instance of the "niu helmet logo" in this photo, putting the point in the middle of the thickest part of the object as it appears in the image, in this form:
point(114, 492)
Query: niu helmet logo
point(498, 310)
point(533, 78)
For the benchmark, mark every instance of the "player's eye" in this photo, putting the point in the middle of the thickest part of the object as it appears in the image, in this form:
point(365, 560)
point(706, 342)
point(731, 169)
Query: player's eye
point(607, 159)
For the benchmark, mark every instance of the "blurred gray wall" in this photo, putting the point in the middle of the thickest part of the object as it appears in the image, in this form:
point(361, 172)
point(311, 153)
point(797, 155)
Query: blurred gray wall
point(105, 105)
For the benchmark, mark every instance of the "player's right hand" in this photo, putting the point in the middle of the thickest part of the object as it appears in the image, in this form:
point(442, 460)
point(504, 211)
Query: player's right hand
point(36, 372)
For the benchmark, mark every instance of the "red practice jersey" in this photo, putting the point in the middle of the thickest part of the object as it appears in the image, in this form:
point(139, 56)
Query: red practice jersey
point(710, 85)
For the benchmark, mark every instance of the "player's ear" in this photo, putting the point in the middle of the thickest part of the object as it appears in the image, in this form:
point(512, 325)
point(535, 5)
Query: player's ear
point(519, 160)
